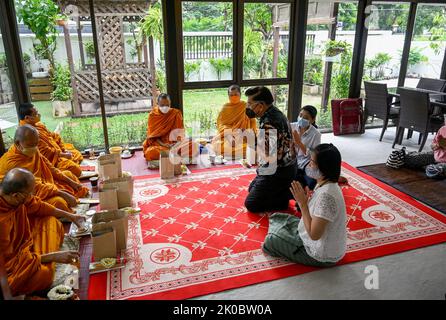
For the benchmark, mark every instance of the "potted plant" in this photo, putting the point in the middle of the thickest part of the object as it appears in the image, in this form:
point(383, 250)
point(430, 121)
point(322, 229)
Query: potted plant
point(61, 95)
point(334, 49)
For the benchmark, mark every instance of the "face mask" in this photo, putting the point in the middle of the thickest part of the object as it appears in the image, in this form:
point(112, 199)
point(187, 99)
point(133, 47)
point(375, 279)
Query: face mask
point(29, 152)
point(164, 109)
point(313, 173)
point(250, 113)
point(234, 99)
point(303, 123)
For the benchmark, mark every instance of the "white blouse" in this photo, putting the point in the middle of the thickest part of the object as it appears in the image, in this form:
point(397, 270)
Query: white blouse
point(327, 202)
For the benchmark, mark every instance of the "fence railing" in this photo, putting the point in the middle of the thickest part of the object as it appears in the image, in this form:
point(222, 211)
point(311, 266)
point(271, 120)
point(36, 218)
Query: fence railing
point(204, 45)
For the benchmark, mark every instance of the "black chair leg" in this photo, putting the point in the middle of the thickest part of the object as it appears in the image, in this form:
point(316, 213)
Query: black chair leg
point(420, 138)
point(386, 122)
point(409, 134)
point(401, 136)
point(425, 135)
point(397, 136)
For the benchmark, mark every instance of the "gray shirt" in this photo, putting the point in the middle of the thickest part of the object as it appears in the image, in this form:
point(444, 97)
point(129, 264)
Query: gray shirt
point(311, 139)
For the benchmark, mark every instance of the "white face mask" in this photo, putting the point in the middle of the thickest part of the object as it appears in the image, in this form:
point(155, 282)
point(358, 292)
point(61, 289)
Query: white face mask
point(313, 173)
point(164, 109)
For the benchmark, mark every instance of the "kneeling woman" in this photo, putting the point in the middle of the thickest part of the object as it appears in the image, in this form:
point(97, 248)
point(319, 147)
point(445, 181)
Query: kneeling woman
point(319, 237)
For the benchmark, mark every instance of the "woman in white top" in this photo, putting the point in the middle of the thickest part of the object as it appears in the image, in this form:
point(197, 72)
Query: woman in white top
point(306, 137)
point(319, 237)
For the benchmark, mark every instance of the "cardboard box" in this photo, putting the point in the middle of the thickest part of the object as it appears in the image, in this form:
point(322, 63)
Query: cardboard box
point(115, 219)
point(104, 243)
point(108, 198)
point(109, 166)
point(167, 168)
point(124, 189)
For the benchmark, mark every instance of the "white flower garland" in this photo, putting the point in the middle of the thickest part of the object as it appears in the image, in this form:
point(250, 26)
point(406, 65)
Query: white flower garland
point(60, 292)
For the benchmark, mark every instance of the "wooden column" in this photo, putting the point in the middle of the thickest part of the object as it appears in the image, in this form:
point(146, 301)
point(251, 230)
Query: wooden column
point(76, 107)
point(443, 67)
point(81, 42)
point(329, 65)
point(359, 49)
point(297, 57)
point(407, 44)
point(173, 51)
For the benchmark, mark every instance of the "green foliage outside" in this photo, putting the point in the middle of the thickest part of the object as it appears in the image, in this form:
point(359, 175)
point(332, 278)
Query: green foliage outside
point(40, 17)
point(221, 65)
point(375, 67)
point(61, 80)
point(191, 68)
point(313, 72)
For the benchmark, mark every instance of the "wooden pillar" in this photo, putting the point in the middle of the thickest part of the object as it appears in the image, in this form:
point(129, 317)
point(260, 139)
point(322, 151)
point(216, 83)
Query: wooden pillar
point(173, 51)
point(407, 44)
point(443, 67)
point(81, 42)
point(297, 58)
point(76, 107)
point(329, 65)
point(359, 49)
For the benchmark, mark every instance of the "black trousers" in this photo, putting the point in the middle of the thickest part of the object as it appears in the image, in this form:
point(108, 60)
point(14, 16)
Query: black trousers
point(271, 192)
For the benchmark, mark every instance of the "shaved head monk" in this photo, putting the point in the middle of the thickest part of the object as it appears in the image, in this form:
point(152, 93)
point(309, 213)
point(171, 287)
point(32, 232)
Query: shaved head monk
point(162, 122)
point(30, 234)
point(59, 188)
point(232, 121)
point(50, 145)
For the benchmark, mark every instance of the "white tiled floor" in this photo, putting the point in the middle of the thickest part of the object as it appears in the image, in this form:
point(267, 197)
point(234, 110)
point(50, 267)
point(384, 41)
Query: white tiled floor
point(416, 274)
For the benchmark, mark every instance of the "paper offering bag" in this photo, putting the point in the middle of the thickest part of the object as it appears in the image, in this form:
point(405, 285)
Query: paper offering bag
point(167, 168)
point(109, 166)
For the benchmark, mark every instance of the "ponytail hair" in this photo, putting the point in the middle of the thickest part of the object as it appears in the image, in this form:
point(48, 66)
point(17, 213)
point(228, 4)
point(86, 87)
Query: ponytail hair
point(313, 113)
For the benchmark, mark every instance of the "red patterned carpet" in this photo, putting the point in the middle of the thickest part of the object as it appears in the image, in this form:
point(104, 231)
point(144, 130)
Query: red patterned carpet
point(194, 236)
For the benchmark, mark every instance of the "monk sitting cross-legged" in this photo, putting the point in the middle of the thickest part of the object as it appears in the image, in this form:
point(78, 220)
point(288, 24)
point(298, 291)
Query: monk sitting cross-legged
point(232, 123)
point(59, 188)
point(49, 146)
point(165, 129)
point(30, 234)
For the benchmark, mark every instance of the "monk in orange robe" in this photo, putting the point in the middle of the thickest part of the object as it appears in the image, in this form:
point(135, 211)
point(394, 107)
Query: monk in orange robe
point(49, 146)
point(30, 234)
point(165, 130)
point(232, 125)
point(60, 188)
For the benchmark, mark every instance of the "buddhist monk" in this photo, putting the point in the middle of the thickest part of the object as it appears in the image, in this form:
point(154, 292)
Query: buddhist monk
point(49, 146)
point(165, 130)
point(59, 188)
point(30, 234)
point(232, 124)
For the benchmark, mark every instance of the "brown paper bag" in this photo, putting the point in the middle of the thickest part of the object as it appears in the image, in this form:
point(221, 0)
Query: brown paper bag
point(109, 166)
point(115, 219)
point(104, 243)
point(108, 198)
point(124, 188)
point(167, 170)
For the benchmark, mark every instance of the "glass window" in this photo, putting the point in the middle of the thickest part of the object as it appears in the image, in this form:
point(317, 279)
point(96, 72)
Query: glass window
point(428, 44)
point(387, 25)
point(207, 40)
point(328, 58)
point(266, 40)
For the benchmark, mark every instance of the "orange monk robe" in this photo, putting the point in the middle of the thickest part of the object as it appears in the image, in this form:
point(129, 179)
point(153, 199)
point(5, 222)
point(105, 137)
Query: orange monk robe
point(232, 117)
point(43, 171)
point(27, 232)
point(160, 126)
point(51, 150)
point(65, 147)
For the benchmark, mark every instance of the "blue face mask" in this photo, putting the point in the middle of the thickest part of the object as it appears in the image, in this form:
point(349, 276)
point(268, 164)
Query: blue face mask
point(302, 123)
point(313, 173)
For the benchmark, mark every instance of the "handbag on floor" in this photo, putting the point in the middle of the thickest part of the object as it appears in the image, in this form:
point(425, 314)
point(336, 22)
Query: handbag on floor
point(396, 158)
point(419, 160)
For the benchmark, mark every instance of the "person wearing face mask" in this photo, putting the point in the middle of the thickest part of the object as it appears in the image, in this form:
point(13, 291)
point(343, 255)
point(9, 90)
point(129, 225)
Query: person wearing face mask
point(30, 234)
point(319, 237)
point(232, 118)
point(277, 157)
point(48, 146)
point(58, 188)
point(306, 137)
point(164, 119)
